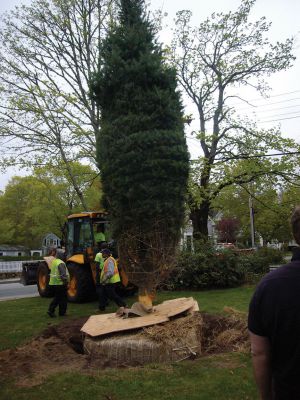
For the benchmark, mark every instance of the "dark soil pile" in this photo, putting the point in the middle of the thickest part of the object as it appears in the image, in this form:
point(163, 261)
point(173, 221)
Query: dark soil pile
point(57, 348)
point(223, 334)
point(60, 347)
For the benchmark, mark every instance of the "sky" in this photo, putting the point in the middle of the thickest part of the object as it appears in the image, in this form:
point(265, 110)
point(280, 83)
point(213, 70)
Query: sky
point(283, 105)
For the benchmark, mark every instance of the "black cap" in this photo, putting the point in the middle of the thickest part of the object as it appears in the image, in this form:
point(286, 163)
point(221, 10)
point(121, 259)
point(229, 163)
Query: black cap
point(106, 251)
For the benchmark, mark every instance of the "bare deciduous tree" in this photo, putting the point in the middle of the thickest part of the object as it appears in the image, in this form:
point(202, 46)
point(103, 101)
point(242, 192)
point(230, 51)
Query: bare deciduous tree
point(227, 52)
point(49, 51)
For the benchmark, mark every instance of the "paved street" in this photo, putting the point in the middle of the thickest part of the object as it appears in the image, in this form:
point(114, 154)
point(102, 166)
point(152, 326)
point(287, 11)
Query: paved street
point(13, 289)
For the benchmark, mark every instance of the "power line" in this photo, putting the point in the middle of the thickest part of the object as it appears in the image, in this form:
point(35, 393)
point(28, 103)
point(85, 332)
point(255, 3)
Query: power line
point(283, 114)
point(275, 95)
point(278, 115)
point(279, 119)
point(277, 109)
point(259, 111)
point(270, 104)
point(248, 156)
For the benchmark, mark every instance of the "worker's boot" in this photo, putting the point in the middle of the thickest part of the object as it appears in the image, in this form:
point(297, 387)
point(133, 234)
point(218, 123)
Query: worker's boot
point(51, 314)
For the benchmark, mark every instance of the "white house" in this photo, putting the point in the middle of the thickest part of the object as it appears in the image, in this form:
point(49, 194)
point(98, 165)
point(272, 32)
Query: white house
point(13, 251)
point(50, 240)
point(187, 232)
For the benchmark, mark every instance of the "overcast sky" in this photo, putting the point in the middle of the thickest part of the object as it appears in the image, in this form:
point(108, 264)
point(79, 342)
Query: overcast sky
point(283, 106)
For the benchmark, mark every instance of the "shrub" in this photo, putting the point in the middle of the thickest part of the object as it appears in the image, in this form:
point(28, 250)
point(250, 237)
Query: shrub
point(209, 268)
point(272, 256)
point(254, 263)
point(206, 269)
point(260, 261)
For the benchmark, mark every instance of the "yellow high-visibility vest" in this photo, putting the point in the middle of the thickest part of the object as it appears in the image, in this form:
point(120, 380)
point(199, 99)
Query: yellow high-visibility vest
point(55, 278)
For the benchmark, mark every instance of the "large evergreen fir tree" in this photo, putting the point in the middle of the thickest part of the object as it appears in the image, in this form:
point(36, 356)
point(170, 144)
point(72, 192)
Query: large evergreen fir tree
point(141, 149)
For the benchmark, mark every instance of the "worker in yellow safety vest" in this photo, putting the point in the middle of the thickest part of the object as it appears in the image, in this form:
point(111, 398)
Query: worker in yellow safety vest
point(99, 261)
point(59, 279)
point(109, 278)
point(100, 235)
point(99, 265)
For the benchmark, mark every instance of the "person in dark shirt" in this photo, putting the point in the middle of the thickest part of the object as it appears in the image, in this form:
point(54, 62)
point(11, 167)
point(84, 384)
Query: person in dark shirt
point(274, 328)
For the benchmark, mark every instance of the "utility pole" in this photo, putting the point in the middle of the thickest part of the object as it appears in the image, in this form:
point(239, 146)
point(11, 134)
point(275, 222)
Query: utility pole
point(252, 222)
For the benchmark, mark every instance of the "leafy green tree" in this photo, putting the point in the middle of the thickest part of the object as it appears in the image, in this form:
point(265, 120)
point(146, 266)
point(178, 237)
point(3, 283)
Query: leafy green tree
point(35, 205)
point(27, 212)
point(142, 151)
point(214, 61)
point(272, 206)
point(87, 181)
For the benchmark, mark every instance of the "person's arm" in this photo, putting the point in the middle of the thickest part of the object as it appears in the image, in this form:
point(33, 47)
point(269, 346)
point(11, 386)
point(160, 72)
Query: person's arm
point(97, 273)
point(63, 273)
point(261, 359)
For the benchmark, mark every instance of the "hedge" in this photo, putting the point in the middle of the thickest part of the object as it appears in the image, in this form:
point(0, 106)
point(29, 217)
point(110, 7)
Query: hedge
point(208, 268)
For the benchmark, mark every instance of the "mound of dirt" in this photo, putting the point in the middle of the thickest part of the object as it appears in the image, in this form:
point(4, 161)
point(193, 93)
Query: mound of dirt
point(60, 347)
point(57, 348)
point(222, 334)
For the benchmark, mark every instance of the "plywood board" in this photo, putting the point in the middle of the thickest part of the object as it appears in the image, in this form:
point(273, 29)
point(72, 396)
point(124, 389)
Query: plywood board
point(195, 307)
point(98, 325)
point(175, 307)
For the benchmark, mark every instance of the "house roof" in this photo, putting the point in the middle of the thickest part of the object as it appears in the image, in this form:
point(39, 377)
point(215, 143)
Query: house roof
point(50, 234)
point(8, 247)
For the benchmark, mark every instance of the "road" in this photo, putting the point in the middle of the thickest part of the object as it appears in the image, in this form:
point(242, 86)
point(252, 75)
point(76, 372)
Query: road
point(13, 289)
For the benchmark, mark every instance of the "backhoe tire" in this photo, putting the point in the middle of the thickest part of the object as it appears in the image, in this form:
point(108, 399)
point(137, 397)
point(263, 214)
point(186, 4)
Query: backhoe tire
point(81, 286)
point(43, 277)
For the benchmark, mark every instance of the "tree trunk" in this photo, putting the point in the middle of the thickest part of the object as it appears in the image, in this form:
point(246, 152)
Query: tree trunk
point(146, 296)
point(199, 218)
point(72, 178)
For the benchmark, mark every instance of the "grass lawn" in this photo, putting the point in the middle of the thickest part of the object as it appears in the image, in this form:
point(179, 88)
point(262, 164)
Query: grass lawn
point(223, 376)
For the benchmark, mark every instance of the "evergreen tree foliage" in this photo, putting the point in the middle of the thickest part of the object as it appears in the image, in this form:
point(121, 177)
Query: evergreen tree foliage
point(141, 149)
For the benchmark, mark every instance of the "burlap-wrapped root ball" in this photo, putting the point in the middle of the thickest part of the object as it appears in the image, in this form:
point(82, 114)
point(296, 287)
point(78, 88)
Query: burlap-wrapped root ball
point(172, 341)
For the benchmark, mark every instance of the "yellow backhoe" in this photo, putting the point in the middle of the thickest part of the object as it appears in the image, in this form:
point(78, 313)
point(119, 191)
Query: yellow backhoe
point(80, 248)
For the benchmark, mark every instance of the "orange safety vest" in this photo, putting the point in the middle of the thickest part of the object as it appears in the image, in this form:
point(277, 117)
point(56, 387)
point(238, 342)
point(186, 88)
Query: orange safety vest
point(116, 276)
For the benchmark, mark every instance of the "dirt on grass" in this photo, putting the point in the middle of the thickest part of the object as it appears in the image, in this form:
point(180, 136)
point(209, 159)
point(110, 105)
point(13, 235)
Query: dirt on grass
point(60, 348)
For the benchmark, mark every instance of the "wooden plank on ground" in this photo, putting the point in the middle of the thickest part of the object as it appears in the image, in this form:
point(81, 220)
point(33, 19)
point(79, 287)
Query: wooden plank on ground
point(175, 306)
point(98, 325)
point(195, 307)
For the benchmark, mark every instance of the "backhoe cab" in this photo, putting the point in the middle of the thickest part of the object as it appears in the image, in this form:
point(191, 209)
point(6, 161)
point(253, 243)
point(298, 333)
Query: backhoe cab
point(81, 248)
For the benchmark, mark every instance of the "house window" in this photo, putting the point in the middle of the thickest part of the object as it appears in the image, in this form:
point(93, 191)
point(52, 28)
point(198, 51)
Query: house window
point(51, 242)
point(19, 254)
point(1, 254)
point(188, 243)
